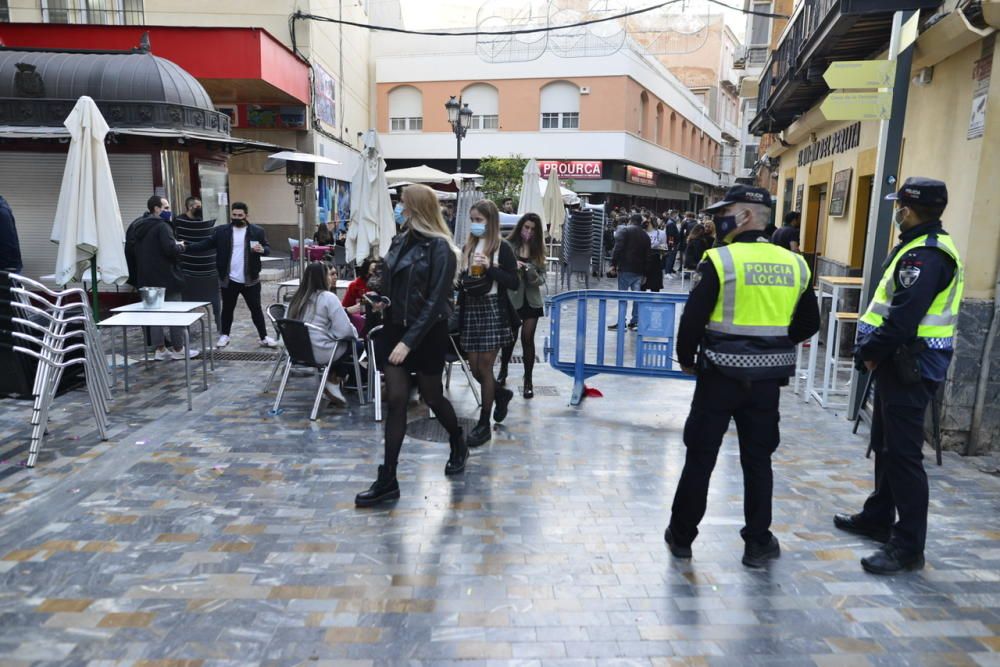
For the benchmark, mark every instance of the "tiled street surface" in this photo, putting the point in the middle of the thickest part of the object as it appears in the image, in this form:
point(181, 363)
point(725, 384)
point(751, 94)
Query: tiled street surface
point(228, 536)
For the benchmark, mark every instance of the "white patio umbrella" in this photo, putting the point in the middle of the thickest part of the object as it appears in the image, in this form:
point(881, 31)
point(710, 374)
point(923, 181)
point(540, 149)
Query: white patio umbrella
point(88, 224)
point(468, 194)
point(531, 195)
point(421, 174)
point(553, 205)
point(372, 224)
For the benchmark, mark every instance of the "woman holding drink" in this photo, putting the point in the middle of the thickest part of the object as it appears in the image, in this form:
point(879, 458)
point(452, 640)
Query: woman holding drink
point(489, 268)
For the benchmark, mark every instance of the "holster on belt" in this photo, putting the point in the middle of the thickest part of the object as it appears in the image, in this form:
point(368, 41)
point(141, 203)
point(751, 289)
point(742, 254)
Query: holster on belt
point(906, 362)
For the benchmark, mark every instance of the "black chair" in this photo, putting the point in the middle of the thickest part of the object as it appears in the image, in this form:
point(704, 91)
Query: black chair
point(298, 347)
point(275, 312)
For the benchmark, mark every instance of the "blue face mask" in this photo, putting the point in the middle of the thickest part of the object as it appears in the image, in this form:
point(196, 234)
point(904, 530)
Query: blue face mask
point(478, 229)
point(166, 215)
point(397, 214)
point(724, 226)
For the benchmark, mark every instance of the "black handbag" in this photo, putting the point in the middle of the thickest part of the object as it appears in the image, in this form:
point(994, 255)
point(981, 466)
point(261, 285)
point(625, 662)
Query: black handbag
point(480, 286)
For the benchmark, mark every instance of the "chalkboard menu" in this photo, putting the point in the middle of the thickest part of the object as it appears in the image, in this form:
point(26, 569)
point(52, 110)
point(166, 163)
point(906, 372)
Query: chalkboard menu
point(841, 190)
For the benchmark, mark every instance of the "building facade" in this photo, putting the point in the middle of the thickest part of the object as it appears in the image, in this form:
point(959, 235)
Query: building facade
point(826, 169)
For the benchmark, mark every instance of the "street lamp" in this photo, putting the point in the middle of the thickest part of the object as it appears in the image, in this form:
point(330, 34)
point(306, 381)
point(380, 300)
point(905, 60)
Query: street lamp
point(300, 172)
point(460, 119)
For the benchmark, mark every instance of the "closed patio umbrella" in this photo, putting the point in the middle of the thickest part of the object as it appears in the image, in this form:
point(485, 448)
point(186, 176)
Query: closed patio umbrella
point(372, 224)
point(88, 225)
point(552, 203)
point(531, 195)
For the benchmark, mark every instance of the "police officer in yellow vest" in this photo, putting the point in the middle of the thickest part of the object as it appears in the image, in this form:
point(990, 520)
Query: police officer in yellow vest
point(906, 338)
point(751, 303)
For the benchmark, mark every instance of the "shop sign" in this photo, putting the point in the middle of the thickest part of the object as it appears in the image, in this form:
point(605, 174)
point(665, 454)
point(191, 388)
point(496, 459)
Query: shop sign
point(697, 189)
point(575, 169)
point(272, 116)
point(857, 106)
point(840, 141)
point(640, 176)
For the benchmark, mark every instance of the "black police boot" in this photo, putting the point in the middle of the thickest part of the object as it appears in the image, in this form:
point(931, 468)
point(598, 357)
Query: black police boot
point(676, 548)
point(385, 488)
point(853, 523)
point(501, 403)
point(479, 435)
point(891, 559)
point(459, 454)
point(757, 555)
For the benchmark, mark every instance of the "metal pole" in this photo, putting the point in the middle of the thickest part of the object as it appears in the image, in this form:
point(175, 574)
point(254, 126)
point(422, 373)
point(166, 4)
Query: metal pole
point(458, 161)
point(302, 234)
point(890, 141)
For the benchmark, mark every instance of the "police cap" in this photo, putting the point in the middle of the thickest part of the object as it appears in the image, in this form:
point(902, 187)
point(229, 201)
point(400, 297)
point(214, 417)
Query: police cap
point(922, 191)
point(743, 194)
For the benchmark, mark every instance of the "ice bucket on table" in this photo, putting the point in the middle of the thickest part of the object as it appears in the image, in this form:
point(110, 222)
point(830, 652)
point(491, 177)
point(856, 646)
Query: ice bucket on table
point(152, 297)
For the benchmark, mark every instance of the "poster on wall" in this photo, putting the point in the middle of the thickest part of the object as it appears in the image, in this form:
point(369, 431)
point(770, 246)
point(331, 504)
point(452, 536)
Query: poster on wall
point(324, 96)
point(798, 197)
point(333, 199)
point(841, 191)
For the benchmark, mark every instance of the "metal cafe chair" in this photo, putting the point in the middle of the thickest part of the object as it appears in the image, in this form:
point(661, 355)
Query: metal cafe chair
point(298, 345)
point(275, 312)
point(374, 374)
point(457, 356)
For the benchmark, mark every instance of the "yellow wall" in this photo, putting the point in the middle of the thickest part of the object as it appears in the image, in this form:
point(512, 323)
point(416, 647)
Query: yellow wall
point(936, 146)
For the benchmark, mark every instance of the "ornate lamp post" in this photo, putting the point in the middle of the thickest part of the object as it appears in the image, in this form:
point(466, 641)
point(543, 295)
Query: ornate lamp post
point(460, 118)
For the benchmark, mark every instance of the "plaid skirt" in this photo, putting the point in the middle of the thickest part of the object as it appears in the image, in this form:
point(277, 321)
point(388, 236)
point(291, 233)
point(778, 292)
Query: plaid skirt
point(485, 326)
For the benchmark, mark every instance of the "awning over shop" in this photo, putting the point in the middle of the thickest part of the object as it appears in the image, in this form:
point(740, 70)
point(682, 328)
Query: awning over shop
point(605, 186)
point(233, 64)
point(236, 144)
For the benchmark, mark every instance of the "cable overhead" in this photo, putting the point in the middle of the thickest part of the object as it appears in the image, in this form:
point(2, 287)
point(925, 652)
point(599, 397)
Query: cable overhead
point(300, 15)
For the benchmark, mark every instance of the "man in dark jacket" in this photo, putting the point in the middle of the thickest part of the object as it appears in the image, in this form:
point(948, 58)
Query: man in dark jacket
point(629, 257)
point(10, 248)
point(238, 248)
point(153, 256)
point(201, 279)
point(673, 233)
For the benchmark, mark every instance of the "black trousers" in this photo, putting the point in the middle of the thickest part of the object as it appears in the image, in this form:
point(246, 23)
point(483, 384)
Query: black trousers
point(898, 440)
point(251, 296)
point(754, 406)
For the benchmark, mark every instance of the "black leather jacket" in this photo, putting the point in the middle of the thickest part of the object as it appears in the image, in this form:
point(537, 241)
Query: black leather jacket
point(419, 277)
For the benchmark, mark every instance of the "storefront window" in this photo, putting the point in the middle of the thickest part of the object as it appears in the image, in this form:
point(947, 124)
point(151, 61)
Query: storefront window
point(176, 169)
point(214, 192)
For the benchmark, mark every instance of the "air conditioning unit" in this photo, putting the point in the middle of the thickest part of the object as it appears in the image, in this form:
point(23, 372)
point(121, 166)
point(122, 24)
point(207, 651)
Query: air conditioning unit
point(585, 90)
point(740, 57)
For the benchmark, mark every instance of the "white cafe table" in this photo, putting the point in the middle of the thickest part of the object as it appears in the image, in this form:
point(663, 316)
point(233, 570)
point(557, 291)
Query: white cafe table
point(179, 307)
point(158, 318)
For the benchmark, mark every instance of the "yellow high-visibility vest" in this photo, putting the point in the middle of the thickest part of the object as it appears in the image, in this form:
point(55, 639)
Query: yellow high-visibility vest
point(941, 318)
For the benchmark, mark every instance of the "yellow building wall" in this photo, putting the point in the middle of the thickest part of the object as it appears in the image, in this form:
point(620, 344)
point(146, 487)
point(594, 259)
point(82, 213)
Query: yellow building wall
point(936, 146)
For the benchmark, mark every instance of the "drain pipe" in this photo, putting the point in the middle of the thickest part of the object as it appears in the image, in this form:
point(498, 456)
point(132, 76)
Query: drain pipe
point(972, 444)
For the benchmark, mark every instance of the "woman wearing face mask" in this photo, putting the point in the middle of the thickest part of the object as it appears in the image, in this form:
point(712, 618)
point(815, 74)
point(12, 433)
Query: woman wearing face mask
point(489, 268)
point(526, 239)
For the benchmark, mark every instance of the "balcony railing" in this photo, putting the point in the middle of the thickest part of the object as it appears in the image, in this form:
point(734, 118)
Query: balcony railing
point(129, 12)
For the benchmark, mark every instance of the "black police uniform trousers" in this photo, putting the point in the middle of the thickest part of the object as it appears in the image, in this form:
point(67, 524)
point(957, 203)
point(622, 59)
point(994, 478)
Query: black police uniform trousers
point(754, 406)
point(897, 439)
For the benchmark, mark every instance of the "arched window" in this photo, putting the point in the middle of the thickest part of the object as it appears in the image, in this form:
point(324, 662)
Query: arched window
point(644, 114)
point(658, 128)
point(560, 103)
point(484, 100)
point(693, 146)
point(406, 109)
point(685, 143)
point(673, 140)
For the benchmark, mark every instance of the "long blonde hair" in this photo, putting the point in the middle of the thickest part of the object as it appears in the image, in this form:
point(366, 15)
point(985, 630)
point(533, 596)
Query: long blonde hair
point(425, 215)
point(491, 241)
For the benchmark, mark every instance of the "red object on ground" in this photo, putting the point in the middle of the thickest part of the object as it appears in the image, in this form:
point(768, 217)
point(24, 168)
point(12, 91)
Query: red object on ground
point(593, 392)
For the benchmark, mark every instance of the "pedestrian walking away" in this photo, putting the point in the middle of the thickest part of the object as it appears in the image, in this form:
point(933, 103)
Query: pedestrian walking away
point(629, 259)
point(750, 305)
point(489, 270)
point(526, 300)
point(787, 236)
point(153, 257)
point(418, 278)
point(239, 247)
point(906, 338)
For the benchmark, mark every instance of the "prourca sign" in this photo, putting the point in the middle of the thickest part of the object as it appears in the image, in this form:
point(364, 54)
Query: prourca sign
point(575, 169)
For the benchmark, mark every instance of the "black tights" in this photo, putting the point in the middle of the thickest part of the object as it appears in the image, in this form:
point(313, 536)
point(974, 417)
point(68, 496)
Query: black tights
point(527, 347)
point(397, 389)
point(481, 364)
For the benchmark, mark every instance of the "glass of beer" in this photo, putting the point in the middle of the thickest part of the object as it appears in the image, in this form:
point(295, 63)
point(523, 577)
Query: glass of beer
point(477, 270)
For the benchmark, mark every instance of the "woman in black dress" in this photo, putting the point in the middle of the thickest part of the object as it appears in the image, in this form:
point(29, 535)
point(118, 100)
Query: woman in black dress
point(419, 279)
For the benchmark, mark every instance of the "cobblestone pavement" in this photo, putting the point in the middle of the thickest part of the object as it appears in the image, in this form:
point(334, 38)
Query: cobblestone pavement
point(228, 536)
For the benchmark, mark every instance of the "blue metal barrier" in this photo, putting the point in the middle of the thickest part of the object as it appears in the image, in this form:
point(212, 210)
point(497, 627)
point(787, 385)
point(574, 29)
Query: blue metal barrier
point(650, 347)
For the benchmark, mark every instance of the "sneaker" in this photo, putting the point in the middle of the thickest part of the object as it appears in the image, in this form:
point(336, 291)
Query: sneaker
point(177, 355)
point(384, 488)
point(267, 341)
point(223, 341)
point(335, 394)
point(613, 327)
point(479, 435)
point(162, 355)
point(501, 403)
point(633, 326)
point(676, 548)
point(756, 555)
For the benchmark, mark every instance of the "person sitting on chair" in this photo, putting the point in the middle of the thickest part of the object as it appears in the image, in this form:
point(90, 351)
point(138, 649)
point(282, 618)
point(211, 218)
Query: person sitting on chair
point(315, 304)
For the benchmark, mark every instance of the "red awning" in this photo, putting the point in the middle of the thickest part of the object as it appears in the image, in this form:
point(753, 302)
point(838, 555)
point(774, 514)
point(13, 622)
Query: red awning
point(235, 65)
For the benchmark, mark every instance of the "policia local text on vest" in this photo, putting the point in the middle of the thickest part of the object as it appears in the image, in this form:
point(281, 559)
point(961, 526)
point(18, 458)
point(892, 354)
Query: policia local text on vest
point(906, 338)
point(752, 302)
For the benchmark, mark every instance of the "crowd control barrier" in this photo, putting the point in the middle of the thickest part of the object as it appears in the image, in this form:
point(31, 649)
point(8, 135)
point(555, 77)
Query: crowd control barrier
point(647, 351)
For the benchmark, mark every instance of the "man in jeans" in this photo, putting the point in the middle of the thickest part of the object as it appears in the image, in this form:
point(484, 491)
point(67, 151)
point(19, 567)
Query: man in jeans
point(629, 257)
point(238, 248)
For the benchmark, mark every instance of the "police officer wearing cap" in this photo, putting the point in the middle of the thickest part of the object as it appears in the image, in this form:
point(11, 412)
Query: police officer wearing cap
point(751, 304)
point(906, 338)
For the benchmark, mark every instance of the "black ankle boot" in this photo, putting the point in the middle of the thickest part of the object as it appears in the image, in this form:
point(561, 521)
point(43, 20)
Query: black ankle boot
point(459, 454)
point(501, 403)
point(529, 387)
point(385, 488)
point(479, 435)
